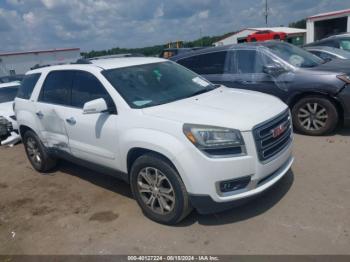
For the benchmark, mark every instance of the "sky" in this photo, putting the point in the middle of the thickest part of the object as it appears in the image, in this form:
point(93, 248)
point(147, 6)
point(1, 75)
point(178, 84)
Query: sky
point(103, 24)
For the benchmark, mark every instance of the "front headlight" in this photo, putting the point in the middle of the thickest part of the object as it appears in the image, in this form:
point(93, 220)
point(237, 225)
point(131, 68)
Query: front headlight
point(215, 141)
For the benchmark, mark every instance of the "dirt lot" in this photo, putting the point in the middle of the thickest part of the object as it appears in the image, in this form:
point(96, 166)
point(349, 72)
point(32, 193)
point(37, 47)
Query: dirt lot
point(77, 211)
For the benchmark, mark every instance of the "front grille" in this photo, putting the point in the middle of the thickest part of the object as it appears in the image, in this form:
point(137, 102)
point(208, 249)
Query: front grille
point(273, 136)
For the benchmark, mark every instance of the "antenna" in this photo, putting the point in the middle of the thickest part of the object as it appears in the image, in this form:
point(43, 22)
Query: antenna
point(266, 13)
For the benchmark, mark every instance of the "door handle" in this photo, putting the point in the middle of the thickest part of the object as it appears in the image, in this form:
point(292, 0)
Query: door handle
point(71, 121)
point(39, 114)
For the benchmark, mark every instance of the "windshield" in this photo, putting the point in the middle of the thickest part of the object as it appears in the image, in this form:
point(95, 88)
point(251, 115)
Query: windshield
point(8, 94)
point(295, 55)
point(155, 84)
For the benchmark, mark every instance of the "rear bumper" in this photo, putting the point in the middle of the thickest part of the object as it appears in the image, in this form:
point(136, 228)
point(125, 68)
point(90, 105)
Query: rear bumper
point(204, 204)
point(344, 98)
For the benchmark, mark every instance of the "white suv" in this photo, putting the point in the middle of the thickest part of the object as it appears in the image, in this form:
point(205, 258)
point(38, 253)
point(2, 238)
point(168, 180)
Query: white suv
point(179, 141)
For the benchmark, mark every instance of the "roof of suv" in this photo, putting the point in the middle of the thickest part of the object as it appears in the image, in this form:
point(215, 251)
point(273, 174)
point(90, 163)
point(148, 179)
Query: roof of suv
point(105, 64)
point(319, 42)
point(225, 48)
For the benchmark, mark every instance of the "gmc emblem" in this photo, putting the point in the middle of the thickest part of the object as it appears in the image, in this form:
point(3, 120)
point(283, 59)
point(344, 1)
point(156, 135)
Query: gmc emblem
point(278, 131)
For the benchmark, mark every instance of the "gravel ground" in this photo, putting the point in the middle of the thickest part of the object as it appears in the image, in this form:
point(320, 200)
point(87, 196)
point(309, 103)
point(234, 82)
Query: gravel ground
point(77, 211)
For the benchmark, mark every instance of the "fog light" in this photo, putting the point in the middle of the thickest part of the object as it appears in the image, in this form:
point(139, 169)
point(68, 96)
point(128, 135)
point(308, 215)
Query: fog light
point(235, 184)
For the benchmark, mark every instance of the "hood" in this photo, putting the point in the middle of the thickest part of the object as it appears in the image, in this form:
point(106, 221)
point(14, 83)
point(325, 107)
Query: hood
point(334, 66)
point(225, 107)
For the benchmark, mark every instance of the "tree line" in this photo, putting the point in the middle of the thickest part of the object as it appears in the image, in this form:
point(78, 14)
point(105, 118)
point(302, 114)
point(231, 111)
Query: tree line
point(157, 49)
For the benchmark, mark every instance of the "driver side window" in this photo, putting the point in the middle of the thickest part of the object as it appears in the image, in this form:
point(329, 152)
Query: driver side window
point(87, 87)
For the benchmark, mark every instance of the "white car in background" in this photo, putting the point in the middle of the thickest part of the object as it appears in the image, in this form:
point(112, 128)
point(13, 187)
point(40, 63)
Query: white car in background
point(8, 92)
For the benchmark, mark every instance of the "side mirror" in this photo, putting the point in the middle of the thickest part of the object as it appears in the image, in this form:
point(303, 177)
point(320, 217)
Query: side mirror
point(95, 106)
point(273, 69)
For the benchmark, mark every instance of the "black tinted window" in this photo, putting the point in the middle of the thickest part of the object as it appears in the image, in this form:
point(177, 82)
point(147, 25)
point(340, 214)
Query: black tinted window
point(87, 87)
point(8, 94)
point(249, 61)
point(326, 56)
point(27, 86)
point(331, 43)
point(206, 64)
point(57, 88)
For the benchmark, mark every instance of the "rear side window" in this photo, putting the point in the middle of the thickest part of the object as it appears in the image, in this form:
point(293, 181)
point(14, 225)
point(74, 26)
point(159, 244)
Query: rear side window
point(206, 64)
point(28, 83)
point(87, 87)
point(8, 94)
point(57, 88)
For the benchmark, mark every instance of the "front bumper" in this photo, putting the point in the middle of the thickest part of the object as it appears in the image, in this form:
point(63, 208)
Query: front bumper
point(202, 174)
point(204, 204)
point(8, 131)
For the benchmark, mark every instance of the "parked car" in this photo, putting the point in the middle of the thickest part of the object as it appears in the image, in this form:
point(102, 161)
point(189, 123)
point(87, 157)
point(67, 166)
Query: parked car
point(11, 78)
point(317, 92)
point(266, 35)
point(341, 41)
point(178, 140)
point(8, 92)
point(170, 52)
point(328, 53)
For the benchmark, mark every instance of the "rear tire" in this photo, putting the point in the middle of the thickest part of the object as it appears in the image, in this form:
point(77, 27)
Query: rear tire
point(315, 116)
point(159, 190)
point(37, 153)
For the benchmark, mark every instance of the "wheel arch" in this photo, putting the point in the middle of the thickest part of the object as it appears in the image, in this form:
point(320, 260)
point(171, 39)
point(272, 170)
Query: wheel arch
point(136, 152)
point(292, 101)
point(24, 128)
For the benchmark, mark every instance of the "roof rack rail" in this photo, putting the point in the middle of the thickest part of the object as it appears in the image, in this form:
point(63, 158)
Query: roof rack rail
point(38, 66)
point(117, 56)
point(82, 61)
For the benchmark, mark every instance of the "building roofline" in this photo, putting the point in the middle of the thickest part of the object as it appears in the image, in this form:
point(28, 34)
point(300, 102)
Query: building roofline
point(235, 33)
point(257, 29)
point(39, 51)
point(340, 12)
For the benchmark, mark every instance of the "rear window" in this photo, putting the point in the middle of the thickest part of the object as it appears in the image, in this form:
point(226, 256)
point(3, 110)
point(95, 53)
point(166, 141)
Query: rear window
point(8, 94)
point(28, 83)
point(206, 64)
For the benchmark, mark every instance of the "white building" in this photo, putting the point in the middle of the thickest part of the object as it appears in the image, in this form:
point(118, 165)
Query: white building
point(294, 34)
point(326, 24)
point(12, 63)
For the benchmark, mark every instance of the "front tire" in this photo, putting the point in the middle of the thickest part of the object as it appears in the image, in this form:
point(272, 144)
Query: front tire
point(159, 190)
point(315, 116)
point(37, 153)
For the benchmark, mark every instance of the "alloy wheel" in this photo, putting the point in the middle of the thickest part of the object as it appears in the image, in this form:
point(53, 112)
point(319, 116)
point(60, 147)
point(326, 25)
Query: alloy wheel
point(156, 190)
point(312, 116)
point(33, 151)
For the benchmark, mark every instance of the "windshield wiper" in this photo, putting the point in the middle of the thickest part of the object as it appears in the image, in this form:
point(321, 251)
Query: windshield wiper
point(202, 91)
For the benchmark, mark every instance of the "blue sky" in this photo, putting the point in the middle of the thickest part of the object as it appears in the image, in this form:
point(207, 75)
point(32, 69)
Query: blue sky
point(101, 24)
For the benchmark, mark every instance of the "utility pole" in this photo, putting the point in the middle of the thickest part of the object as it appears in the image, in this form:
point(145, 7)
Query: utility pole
point(266, 12)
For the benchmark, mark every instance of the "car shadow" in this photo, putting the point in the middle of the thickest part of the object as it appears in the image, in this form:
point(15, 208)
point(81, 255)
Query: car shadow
point(340, 131)
point(108, 182)
point(253, 208)
point(343, 131)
